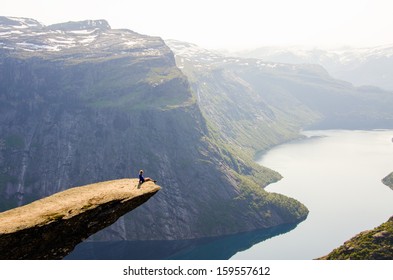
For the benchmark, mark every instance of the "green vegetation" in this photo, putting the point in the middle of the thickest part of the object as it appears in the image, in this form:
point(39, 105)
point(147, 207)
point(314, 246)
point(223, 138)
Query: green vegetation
point(135, 87)
point(158, 75)
point(254, 204)
point(248, 114)
point(239, 126)
point(263, 202)
point(376, 244)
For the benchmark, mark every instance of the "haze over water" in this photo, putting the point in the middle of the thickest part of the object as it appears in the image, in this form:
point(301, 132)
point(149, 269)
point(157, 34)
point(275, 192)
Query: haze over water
point(337, 175)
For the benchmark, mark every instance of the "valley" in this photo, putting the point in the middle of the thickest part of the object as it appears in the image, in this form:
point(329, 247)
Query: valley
point(82, 102)
point(109, 104)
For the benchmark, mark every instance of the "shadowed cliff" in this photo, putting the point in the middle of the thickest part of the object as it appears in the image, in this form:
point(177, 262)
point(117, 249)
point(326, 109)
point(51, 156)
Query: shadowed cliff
point(51, 227)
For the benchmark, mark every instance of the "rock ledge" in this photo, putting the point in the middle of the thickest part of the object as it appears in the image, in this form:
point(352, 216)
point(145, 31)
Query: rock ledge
point(51, 227)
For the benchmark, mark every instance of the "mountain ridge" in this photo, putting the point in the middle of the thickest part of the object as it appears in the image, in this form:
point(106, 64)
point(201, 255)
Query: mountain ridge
point(101, 24)
point(269, 102)
point(360, 66)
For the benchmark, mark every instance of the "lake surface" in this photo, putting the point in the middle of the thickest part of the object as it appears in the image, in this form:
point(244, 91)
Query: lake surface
point(337, 175)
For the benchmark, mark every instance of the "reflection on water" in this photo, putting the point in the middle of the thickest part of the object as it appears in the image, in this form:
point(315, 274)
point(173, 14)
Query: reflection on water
point(220, 248)
point(337, 175)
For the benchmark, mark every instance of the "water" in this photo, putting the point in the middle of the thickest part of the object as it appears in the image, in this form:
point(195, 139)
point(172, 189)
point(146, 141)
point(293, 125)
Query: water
point(337, 175)
point(218, 248)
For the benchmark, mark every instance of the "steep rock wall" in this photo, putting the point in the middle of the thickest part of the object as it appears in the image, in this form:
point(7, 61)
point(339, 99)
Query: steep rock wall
point(107, 108)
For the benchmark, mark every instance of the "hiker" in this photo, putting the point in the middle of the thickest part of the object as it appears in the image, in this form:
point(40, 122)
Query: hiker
point(143, 179)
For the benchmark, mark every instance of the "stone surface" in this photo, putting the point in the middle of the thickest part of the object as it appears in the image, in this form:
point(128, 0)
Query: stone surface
point(50, 228)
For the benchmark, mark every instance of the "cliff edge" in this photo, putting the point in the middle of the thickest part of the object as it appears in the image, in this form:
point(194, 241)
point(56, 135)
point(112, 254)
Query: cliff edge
point(51, 227)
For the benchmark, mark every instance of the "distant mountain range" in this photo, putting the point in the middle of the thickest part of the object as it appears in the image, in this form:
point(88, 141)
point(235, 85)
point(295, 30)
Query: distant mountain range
point(81, 102)
point(278, 94)
point(359, 66)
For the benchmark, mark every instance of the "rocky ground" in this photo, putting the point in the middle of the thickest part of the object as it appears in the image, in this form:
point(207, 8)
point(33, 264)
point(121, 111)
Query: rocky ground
point(50, 228)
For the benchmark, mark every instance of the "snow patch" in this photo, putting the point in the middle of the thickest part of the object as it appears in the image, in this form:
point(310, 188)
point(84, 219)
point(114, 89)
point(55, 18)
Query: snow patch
point(87, 40)
point(130, 43)
point(7, 33)
point(82, 32)
point(64, 41)
point(29, 35)
point(34, 47)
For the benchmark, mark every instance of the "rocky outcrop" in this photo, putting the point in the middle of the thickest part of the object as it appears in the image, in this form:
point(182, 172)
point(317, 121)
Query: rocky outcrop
point(50, 228)
point(376, 244)
point(388, 180)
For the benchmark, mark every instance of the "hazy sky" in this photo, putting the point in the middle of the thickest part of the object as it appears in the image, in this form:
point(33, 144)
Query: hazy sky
point(231, 23)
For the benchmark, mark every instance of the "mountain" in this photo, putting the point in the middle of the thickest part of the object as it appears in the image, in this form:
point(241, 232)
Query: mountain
point(81, 102)
point(375, 244)
point(50, 228)
point(359, 66)
point(254, 104)
point(244, 114)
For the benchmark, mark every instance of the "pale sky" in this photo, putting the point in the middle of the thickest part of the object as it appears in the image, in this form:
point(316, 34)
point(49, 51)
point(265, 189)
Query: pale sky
point(230, 24)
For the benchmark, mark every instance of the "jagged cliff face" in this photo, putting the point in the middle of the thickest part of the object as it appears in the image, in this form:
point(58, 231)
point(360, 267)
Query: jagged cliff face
point(66, 94)
point(81, 103)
